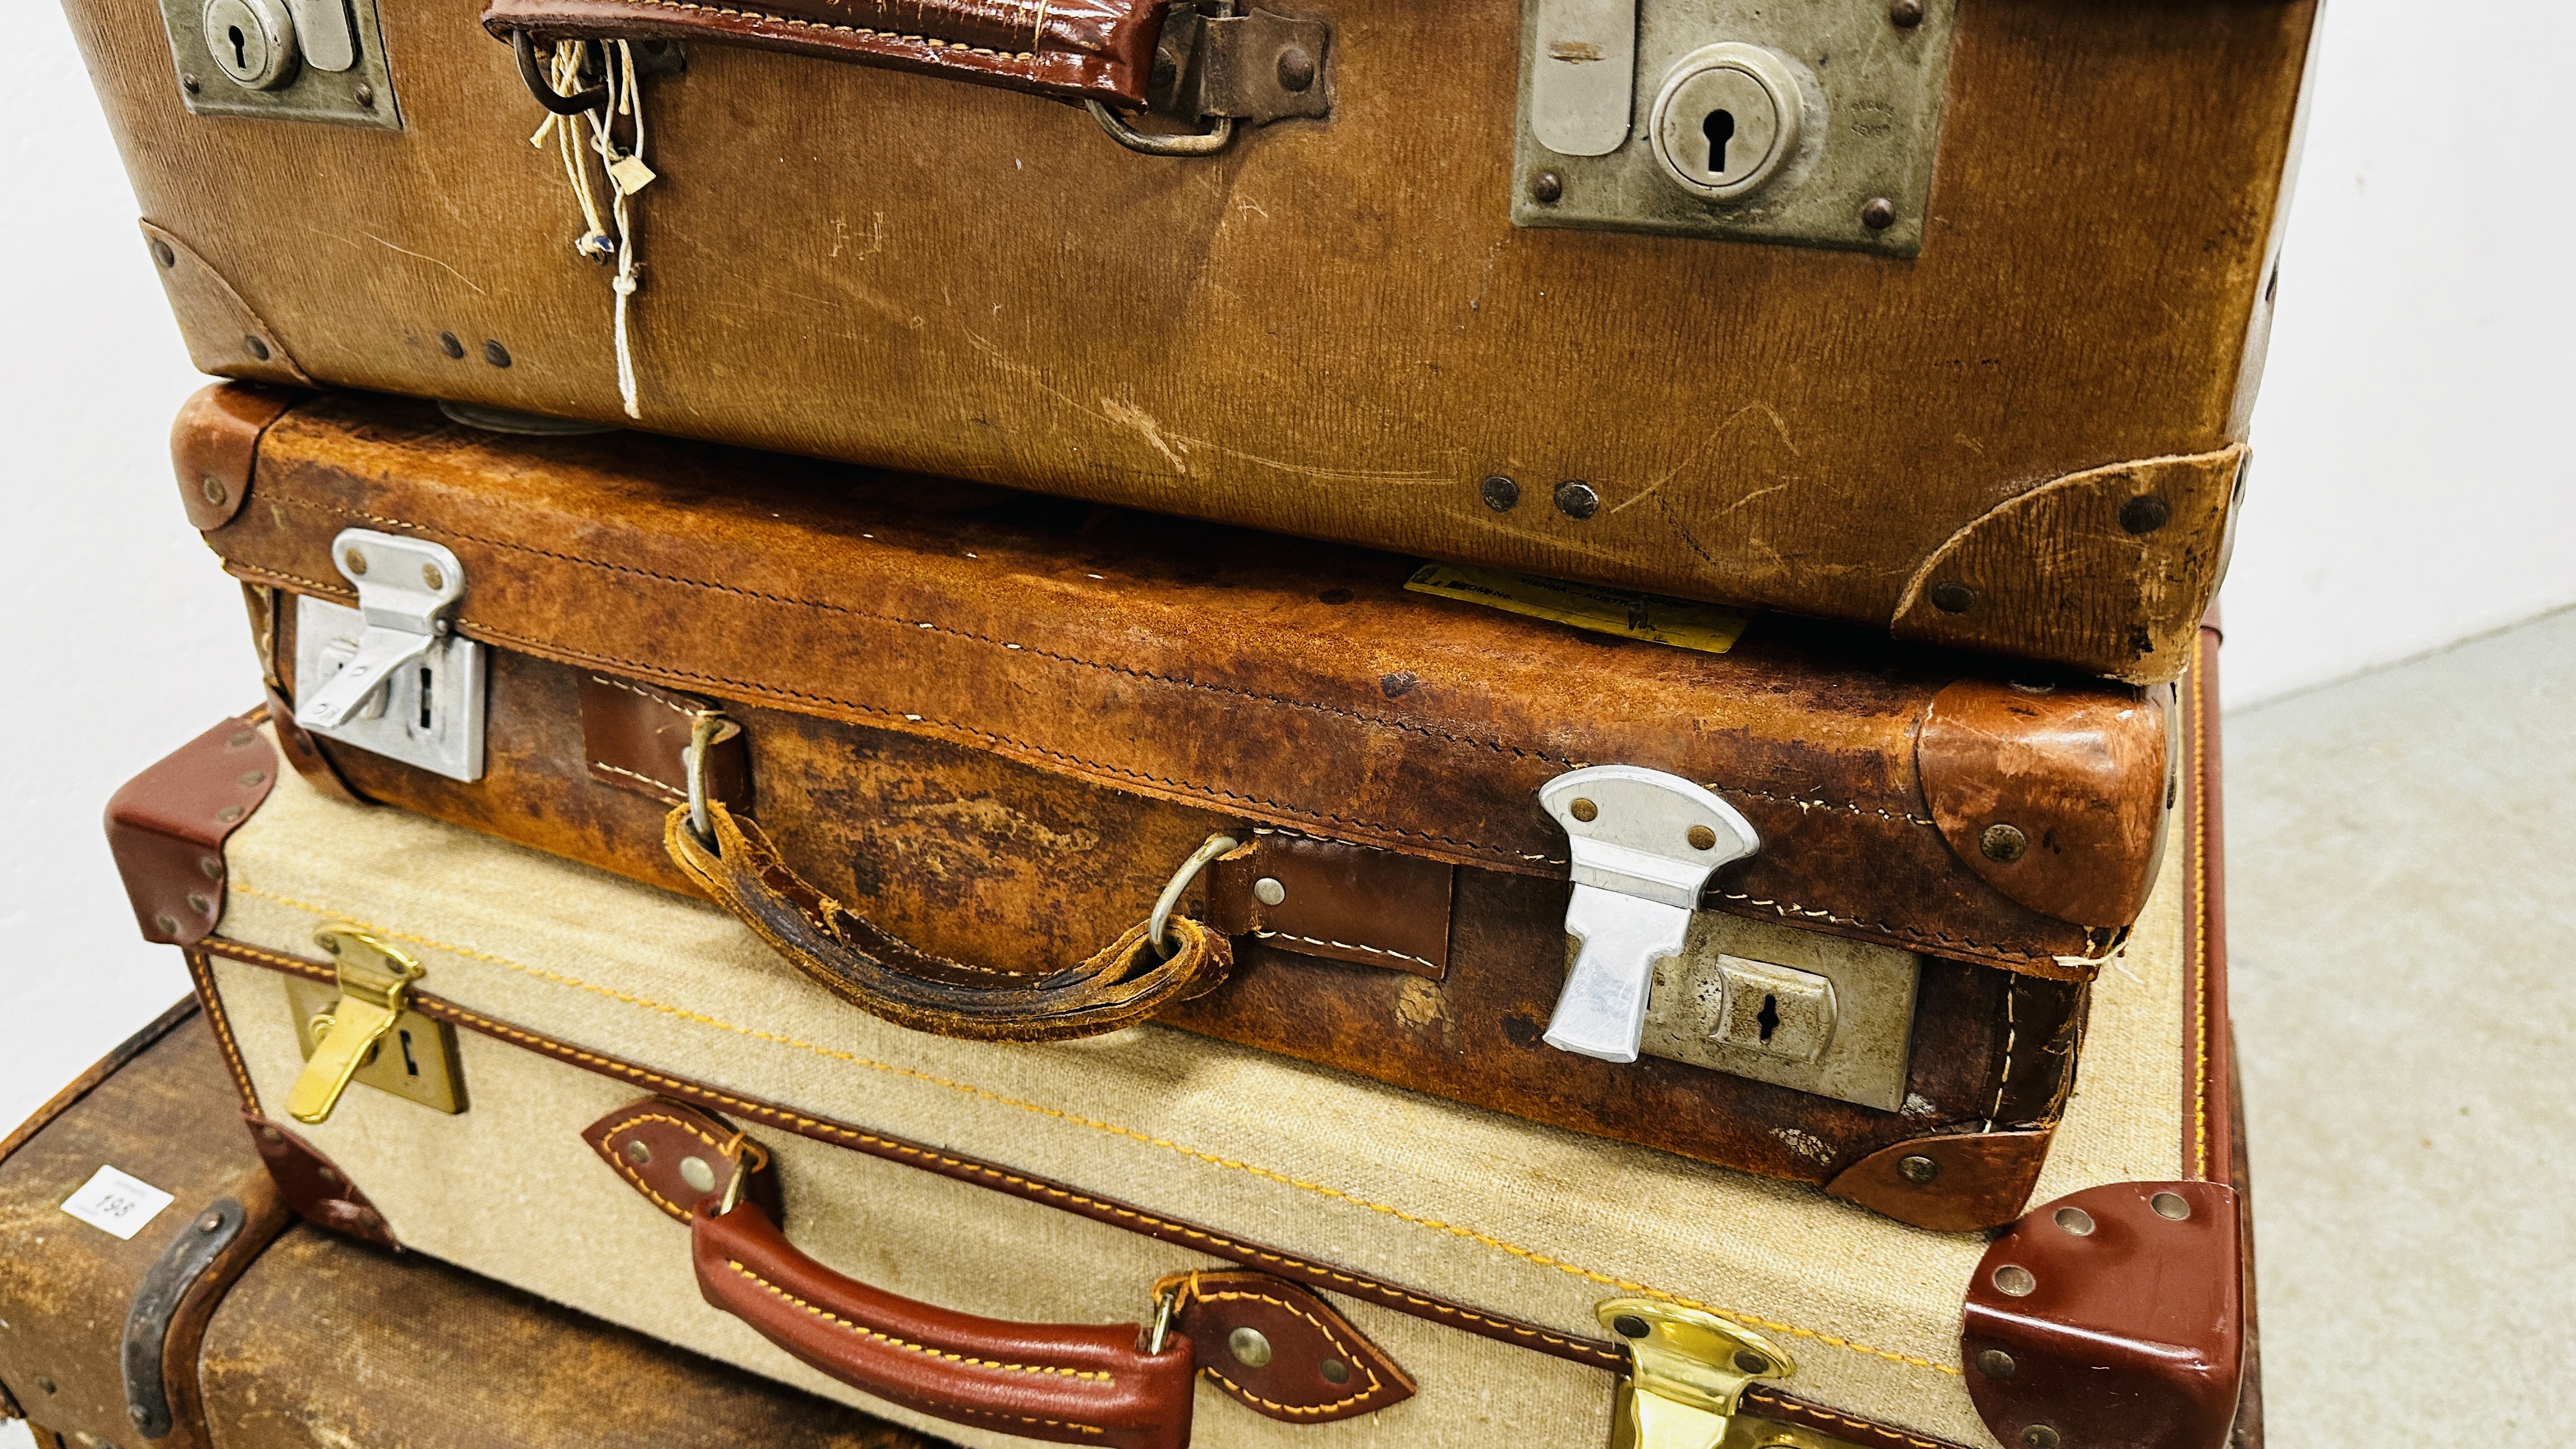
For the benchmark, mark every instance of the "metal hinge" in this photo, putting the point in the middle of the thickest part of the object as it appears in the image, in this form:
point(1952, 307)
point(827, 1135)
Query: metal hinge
point(1218, 64)
point(1687, 1373)
point(347, 1037)
point(391, 676)
point(1644, 845)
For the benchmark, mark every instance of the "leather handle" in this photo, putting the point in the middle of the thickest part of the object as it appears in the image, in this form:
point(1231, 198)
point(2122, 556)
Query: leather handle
point(1070, 1383)
point(1088, 50)
point(885, 976)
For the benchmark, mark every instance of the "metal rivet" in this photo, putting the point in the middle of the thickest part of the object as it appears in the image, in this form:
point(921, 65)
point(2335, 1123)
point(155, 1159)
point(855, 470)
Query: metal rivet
point(448, 344)
point(354, 561)
point(138, 1414)
point(1749, 1362)
point(252, 779)
point(1953, 597)
point(330, 944)
point(168, 923)
point(1249, 1347)
point(2075, 1220)
point(2003, 844)
point(1547, 188)
point(1583, 810)
point(229, 814)
point(1906, 13)
point(365, 94)
point(1879, 214)
point(2014, 1279)
point(258, 347)
point(1501, 494)
point(1702, 838)
point(200, 903)
point(2170, 1205)
point(161, 253)
point(1296, 69)
point(271, 1134)
point(1269, 891)
point(496, 354)
point(637, 1152)
point(210, 1222)
point(1576, 499)
point(1399, 684)
point(1629, 1325)
point(695, 1172)
point(2039, 1436)
point(212, 865)
point(2145, 513)
point(327, 1175)
point(190, 84)
point(213, 488)
point(430, 576)
point(1334, 1371)
point(44, 1383)
point(1994, 1363)
point(1917, 1169)
point(242, 739)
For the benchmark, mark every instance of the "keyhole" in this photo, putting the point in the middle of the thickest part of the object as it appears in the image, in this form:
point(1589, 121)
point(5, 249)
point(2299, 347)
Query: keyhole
point(411, 1064)
point(1720, 129)
point(241, 48)
point(424, 696)
point(1768, 1018)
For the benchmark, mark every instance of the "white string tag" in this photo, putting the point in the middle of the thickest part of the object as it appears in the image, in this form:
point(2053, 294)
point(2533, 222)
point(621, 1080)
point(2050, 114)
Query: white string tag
point(630, 174)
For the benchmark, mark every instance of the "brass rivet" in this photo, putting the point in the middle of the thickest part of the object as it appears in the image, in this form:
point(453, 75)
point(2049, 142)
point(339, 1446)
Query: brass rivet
point(2170, 1205)
point(1702, 838)
point(637, 1152)
point(187, 82)
point(212, 865)
point(242, 739)
point(496, 354)
point(2075, 1220)
point(1906, 13)
point(229, 814)
point(1629, 1325)
point(330, 944)
point(1583, 810)
point(1249, 1347)
point(695, 1172)
point(1917, 1169)
point(1334, 1371)
point(2145, 513)
point(258, 345)
point(2015, 1280)
point(1749, 1362)
point(1879, 214)
point(1953, 597)
point(253, 779)
point(1994, 1363)
point(354, 561)
point(327, 1175)
point(365, 95)
point(448, 344)
point(1269, 891)
point(161, 253)
point(2003, 844)
point(271, 1134)
point(430, 575)
point(213, 488)
point(1547, 188)
point(2039, 1436)
point(1501, 494)
point(168, 923)
point(200, 902)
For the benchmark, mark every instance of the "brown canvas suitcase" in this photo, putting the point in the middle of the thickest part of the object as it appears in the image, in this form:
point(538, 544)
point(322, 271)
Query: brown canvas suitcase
point(1973, 361)
point(983, 731)
point(295, 1337)
point(617, 1098)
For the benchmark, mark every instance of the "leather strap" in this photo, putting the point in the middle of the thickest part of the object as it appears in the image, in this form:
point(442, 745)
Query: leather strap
point(885, 976)
point(1071, 1383)
point(1076, 49)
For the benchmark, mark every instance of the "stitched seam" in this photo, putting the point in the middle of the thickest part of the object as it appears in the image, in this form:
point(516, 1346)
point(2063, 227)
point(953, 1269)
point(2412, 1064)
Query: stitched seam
point(932, 41)
point(204, 975)
point(2200, 1153)
point(1346, 946)
point(1902, 933)
point(617, 1160)
point(674, 706)
point(1362, 1397)
point(1880, 1430)
point(908, 1346)
point(1428, 1224)
point(662, 785)
point(2012, 1036)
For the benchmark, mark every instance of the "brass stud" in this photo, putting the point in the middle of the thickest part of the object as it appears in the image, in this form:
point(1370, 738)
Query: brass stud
point(258, 345)
point(1334, 1371)
point(1576, 499)
point(354, 561)
point(1249, 1347)
point(327, 1175)
point(253, 779)
point(2015, 1280)
point(242, 739)
point(364, 95)
point(329, 943)
point(1917, 1169)
point(229, 814)
point(1296, 69)
point(637, 1152)
point(448, 344)
point(2039, 1436)
point(496, 354)
point(213, 488)
point(162, 253)
point(2076, 1221)
point(1584, 810)
point(1702, 838)
point(1994, 1363)
point(44, 1383)
point(200, 902)
point(212, 865)
point(271, 1134)
point(2171, 1206)
point(430, 575)
point(187, 82)
point(2003, 844)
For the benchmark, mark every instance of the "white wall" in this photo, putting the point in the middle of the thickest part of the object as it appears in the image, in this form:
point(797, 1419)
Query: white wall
point(2406, 494)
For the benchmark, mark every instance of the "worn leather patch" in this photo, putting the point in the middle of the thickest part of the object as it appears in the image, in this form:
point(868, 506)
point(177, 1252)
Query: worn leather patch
point(166, 828)
point(214, 447)
point(673, 1154)
point(1282, 1351)
point(1342, 902)
point(1975, 1179)
point(225, 337)
point(314, 1185)
point(636, 737)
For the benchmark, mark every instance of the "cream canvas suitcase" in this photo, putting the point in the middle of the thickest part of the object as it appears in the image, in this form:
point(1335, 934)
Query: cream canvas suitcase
point(608, 1095)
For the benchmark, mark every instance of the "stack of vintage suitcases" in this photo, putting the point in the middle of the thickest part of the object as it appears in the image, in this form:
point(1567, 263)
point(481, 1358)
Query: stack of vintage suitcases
point(1144, 724)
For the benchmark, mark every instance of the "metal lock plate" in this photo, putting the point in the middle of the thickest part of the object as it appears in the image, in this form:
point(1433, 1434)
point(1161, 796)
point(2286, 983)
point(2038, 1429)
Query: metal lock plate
point(416, 1061)
point(1794, 1008)
point(304, 60)
point(391, 676)
point(1813, 124)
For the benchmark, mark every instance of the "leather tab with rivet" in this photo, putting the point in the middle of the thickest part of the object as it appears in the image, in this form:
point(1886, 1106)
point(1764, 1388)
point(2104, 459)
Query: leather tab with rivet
point(673, 1155)
point(1280, 1350)
point(635, 737)
point(167, 826)
point(214, 447)
point(314, 1185)
point(1324, 898)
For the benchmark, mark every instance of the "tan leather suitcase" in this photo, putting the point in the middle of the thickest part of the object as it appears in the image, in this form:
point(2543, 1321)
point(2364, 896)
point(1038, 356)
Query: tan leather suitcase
point(619, 1099)
point(1971, 361)
point(982, 733)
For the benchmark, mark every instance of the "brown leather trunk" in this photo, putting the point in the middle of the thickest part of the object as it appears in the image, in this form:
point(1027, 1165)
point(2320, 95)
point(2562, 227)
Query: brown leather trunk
point(2012, 419)
point(989, 725)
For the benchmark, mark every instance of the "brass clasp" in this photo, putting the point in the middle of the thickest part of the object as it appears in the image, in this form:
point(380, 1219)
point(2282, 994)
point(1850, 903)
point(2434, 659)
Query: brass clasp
point(375, 984)
point(1687, 1373)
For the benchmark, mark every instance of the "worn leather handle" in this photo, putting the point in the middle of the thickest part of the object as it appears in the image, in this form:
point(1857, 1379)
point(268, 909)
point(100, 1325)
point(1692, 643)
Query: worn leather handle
point(879, 973)
point(1071, 1383)
point(1099, 50)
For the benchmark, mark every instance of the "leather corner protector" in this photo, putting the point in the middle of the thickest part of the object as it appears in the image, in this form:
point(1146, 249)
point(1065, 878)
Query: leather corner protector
point(1342, 902)
point(166, 828)
point(635, 737)
point(2107, 570)
point(652, 1142)
point(2112, 1317)
point(1976, 1180)
point(315, 1187)
point(214, 447)
point(1275, 1348)
point(2054, 794)
point(225, 337)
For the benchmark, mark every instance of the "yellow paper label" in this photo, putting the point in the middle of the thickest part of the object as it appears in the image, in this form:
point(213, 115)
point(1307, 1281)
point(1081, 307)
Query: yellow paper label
point(1709, 628)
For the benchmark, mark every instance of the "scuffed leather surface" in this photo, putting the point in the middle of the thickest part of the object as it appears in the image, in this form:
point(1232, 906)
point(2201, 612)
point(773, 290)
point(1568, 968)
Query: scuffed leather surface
point(215, 442)
point(166, 828)
point(314, 1186)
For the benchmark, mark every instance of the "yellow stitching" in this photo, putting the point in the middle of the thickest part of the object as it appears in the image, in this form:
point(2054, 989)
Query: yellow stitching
point(1429, 1224)
point(663, 786)
point(204, 978)
point(1326, 1329)
point(608, 1138)
point(1346, 946)
point(2200, 1154)
point(908, 1345)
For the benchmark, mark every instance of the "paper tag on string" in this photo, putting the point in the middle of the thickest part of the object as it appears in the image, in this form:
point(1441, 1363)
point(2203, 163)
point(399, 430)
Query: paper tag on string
point(630, 174)
point(1708, 628)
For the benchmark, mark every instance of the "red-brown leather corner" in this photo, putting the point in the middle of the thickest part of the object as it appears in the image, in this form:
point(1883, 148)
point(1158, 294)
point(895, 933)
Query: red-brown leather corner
point(1958, 1183)
point(1068, 1383)
point(1281, 1351)
point(166, 828)
point(214, 446)
point(2112, 1317)
point(314, 1185)
point(652, 1142)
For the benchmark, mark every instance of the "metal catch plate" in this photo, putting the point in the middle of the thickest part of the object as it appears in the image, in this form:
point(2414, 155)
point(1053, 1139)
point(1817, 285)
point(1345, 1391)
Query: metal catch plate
point(391, 676)
point(416, 1061)
point(1794, 1008)
point(290, 60)
point(1813, 124)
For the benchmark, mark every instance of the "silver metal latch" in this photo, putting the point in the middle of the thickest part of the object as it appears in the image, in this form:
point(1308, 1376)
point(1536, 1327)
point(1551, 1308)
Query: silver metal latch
point(391, 676)
point(1644, 845)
